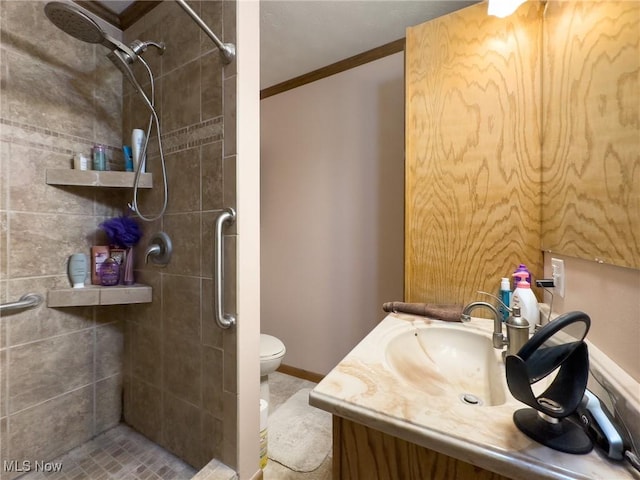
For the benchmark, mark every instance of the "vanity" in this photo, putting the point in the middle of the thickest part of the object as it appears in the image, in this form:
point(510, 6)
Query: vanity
point(424, 399)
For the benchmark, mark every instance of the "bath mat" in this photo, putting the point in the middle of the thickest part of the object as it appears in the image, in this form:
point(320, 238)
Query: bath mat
point(299, 435)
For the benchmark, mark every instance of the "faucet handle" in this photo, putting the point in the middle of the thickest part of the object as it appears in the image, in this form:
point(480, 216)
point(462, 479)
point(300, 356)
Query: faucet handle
point(159, 249)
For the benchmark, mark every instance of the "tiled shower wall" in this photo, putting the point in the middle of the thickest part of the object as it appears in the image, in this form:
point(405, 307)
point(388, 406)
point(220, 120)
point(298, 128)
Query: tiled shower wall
point(60, 369)
point(180, 368)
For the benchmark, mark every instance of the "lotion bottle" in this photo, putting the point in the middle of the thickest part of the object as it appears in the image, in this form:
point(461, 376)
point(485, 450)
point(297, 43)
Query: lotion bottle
point(524, 298)
point(77, 269)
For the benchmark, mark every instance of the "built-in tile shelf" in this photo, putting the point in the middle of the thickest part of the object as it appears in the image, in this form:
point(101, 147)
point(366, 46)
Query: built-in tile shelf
point(95, 178)
point(98, 295)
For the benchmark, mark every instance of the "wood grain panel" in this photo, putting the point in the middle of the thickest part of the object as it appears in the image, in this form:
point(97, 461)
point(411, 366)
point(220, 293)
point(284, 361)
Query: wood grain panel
point(591, 150)
point(360, 452)
point(472, 205)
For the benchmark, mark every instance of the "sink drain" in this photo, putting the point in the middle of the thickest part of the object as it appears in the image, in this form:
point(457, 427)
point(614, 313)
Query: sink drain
point(470, 399)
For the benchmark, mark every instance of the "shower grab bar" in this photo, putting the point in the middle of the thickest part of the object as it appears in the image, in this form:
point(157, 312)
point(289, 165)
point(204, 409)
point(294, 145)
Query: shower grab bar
point(227, 50)
point(224, 320)
point(28, 300)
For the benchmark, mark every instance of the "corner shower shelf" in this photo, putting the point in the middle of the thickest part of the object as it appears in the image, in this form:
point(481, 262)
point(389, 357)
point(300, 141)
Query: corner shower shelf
point(95, 178)
point(98, 295)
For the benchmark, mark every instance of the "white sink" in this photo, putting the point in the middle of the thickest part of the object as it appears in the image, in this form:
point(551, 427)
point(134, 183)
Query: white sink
point(449, 361)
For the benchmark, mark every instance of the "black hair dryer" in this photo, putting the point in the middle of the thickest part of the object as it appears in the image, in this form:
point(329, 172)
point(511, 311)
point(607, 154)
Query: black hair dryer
point(560, 346)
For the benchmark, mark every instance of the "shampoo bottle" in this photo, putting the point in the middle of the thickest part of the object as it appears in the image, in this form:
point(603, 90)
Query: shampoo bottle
point(137, 146)
point(524, 298)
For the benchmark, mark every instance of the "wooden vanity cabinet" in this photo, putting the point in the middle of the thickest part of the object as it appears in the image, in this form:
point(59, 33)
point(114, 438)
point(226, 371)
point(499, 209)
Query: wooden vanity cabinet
point(361, 452)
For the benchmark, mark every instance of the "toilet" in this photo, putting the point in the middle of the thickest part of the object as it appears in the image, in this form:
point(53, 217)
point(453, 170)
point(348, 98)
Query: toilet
point(271, 352)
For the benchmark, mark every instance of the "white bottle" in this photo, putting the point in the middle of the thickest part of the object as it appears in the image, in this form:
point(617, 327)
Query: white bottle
point(77, 269)
point(137, 145)
point(524, 298)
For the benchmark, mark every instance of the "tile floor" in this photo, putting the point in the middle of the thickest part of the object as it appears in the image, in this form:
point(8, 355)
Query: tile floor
point(119, 453)
point(123, 454)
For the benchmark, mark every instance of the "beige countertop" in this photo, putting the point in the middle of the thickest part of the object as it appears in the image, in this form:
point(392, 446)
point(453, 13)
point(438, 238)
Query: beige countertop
point(364, 388)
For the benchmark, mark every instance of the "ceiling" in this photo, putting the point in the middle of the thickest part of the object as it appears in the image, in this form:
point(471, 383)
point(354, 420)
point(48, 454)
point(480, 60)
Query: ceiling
point(299, 36)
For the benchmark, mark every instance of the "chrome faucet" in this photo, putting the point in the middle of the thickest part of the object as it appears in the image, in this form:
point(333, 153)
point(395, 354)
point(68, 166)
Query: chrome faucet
point(498, 338)
point(159, 249)
point(517, 327)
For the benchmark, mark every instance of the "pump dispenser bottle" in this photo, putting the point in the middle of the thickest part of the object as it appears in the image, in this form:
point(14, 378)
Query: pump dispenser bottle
point(524, 298)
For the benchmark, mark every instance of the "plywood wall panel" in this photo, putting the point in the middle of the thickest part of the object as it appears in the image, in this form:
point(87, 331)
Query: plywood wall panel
point(591, 150)
point(472, 205)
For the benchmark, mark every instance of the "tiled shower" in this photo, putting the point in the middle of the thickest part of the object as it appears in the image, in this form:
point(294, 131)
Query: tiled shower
point(67, 374)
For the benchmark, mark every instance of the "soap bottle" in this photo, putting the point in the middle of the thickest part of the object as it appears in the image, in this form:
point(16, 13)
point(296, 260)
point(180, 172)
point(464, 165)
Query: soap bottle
point(518, 329)
point(505, 297)
point(524, 298)
point(522, 268)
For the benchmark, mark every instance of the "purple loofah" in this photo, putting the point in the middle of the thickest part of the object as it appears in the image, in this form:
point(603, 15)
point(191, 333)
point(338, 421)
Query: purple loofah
point(122, 231)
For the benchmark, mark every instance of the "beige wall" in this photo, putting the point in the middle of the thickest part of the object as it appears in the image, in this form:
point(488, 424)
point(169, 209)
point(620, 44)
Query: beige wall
point(332, 159)
point(60, 369)
point(180, 370)
point(609, 295)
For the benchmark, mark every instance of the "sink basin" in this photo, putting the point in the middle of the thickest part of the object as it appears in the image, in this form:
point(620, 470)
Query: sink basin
point(449, 361)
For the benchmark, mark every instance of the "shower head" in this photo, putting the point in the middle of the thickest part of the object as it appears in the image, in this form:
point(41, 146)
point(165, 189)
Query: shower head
point(78, 24)
point(73, 21)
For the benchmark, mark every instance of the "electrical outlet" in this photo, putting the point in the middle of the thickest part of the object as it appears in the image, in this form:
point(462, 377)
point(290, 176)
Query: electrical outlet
point(557, 272)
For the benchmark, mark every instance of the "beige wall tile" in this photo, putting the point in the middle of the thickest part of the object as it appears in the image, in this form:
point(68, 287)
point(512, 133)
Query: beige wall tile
point(182, 39)
point(211, 158)
point(181, 301)
point(53, 427)
point(212, 335)
point(229, 32)
point(108, 403)
point(28, 191)
point(183, 369)
point(26, 30)
point(212, 381)
point(146, 353)
point(212, 431)
point(148, 315)
point(184, 229)
point(39, 244)
point(229, 185)
point(182, 109)
point(144, 409)
point(229, 102)
point(183, 173)
point(38, 95)
point(192, 380)
point(47, 368)
point(211, 90)
point(109, 349)
point(62, 96)
point(182, 434)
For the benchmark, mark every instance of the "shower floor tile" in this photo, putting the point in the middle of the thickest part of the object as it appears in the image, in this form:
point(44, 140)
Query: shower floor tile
point(119, 453)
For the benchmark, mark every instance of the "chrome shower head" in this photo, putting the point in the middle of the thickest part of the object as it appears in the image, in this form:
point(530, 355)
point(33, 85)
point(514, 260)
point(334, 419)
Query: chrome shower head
point(73, 21)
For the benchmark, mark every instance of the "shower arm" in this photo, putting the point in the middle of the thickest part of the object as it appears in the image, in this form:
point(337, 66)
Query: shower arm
point(227, 50)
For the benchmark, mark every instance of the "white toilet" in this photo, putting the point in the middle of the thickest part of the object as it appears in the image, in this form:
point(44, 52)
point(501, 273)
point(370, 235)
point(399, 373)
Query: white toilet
point(271, 352)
